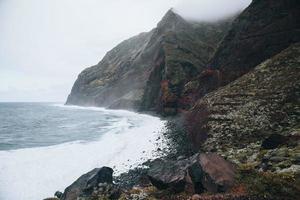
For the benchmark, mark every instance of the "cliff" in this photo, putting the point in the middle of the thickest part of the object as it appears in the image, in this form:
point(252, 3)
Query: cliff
point(149, 71)
point(237, 88)
point(261, 31)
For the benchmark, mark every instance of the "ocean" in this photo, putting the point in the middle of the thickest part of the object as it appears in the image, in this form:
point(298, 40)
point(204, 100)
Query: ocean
point(44, 147)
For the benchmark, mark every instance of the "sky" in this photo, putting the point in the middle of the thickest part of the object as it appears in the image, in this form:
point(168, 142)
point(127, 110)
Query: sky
point(45, 44)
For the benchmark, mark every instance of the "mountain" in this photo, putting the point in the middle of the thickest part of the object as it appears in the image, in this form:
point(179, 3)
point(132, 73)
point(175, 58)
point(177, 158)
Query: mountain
point(262, 30)
point(149, 71)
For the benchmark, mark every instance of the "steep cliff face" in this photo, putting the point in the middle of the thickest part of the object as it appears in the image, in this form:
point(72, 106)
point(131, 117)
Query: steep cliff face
point(261, 31)
point(149, 71)
point(115, 78)
point(236, 119)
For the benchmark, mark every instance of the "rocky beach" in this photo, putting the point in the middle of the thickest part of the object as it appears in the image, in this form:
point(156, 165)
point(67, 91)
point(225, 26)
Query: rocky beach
point(229, 91)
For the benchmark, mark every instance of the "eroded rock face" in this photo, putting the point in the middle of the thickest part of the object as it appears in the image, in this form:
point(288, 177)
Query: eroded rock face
point(200, 173)
point(149, 71)
point(235, 119)
point(261, 31)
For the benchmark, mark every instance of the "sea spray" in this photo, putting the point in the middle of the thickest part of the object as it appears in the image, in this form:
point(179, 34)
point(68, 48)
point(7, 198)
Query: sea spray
point(35, 173)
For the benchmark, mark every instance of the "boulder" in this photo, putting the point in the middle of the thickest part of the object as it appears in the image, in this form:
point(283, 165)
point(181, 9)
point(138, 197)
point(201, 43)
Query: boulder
point(202, 172)
point(104, 175)
point(165, 174)
point(273, 141)
point(58, 194)
point(85, 184)
point(212, 173)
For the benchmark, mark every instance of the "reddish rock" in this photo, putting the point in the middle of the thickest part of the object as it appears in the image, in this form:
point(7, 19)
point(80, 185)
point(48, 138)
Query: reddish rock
point(202, 172)
point(219, 173)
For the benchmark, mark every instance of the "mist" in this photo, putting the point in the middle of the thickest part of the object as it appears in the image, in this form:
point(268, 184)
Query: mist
point(210, 10)
point(45, 44)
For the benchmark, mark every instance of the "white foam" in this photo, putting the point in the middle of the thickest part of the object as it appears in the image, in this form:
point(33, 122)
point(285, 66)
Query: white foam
point(36, 173)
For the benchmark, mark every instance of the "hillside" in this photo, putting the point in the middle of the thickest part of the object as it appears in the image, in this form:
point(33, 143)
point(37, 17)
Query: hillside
point(149, 71)
point(236, 119)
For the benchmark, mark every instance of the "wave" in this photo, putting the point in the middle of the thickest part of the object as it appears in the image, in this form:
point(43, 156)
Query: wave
point(35, 173)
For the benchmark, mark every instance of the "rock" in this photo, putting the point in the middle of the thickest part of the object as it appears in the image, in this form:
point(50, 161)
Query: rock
point(86, 183)
point(196, 197)
point(168, 174)
point(210, 172)
point(104, 191)
point(73, 191)
point(181, 157)
point(104, 175)
point(202, 172)
point(273, 141)
point(58, 194)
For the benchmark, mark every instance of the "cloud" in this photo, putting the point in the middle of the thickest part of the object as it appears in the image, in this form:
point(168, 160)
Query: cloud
point(46, 44)
point(209, 10)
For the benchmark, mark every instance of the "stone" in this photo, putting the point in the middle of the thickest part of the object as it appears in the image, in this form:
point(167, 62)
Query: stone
point(58, 194)
point(273, 141)
point(212, 173)
point(202, 172)
point(104, 176)
point(196, 197)
point(165, 174)
point(86, 183)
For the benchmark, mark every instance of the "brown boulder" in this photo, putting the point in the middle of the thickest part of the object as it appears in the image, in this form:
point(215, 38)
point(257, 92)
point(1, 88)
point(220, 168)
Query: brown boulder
point(219, 174)
point(165, 174)
point(202, 172)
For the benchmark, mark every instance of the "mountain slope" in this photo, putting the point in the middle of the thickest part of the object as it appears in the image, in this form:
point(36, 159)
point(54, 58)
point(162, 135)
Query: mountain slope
point(149, 71)
point(236, 119)
point(261, 31)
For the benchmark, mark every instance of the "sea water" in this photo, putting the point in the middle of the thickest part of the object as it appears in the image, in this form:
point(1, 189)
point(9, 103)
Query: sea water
point(44, 147)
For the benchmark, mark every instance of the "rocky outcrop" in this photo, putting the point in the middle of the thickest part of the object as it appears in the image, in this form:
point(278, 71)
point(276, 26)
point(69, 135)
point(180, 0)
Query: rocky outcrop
point(149, 71)
point(98, 182)
point(200, 173)
point(237, 118)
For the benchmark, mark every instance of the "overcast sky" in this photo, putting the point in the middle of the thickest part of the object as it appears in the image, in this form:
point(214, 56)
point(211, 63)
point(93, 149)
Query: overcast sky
point(45, 44)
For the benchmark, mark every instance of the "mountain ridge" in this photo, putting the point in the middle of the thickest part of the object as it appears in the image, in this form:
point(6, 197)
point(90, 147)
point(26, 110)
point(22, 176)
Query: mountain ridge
point(125, 76)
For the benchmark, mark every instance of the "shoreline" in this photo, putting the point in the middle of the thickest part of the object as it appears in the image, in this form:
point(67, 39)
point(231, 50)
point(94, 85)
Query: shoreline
point(121, 147)
point(176, 146)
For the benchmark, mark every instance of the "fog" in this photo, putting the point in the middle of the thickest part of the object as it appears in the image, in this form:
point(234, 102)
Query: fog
point(210, 10)
point(45, 44)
